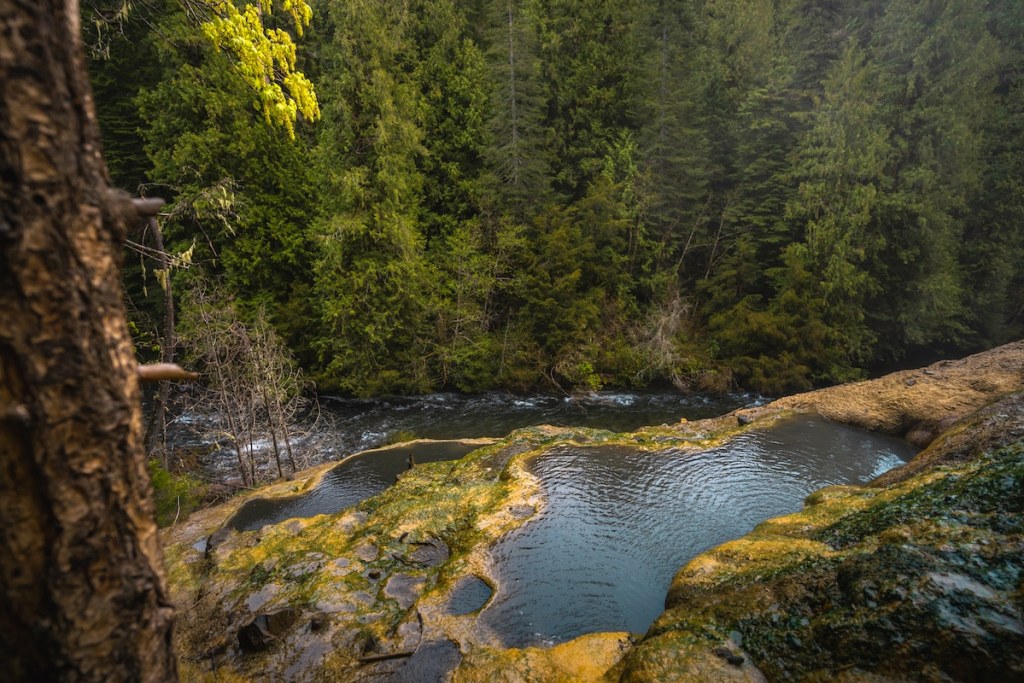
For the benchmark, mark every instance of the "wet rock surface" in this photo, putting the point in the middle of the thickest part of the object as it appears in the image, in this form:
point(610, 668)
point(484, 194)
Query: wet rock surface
point(922, 576)
point(433, 662)
point(367, 552)
point(430, 553)
point(404, 589)
point(940, 395)
point(915, 577)
point(360, 574)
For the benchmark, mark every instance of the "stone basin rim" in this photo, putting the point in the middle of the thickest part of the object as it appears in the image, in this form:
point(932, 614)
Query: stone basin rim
point(314, 477)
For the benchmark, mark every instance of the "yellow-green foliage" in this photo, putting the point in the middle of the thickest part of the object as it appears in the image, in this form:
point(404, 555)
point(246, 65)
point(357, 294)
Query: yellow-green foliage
point(266, 57)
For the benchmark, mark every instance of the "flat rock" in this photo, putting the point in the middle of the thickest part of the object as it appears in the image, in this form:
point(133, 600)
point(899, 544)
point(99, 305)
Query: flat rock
point(261, 597)
point(409, 633)
point(404, 589)
point(367, 552)
point(433, 662)
point(430, 553)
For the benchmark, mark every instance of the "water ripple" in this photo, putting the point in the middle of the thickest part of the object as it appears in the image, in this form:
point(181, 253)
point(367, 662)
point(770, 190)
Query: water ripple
point(619, 522)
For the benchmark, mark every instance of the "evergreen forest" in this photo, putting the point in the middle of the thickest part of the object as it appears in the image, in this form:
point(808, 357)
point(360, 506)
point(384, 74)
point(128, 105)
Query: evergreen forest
point(540, 195)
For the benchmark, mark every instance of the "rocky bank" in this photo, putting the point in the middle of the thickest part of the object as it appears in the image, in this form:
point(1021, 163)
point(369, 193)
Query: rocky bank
point(917, 576)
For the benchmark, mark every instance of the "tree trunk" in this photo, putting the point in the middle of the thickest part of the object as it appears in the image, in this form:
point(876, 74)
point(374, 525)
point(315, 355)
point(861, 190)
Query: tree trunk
point(272, 423)
point(85, 598)
point(287, 441)
point(167, 345)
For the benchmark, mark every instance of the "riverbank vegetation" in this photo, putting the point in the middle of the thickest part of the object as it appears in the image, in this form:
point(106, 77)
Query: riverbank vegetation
point(531, 194)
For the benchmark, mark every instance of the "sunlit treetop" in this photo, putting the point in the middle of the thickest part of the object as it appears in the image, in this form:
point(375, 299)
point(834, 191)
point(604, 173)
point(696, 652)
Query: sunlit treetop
point(266, 56)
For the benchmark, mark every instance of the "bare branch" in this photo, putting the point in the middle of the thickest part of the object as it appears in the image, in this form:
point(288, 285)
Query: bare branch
point(155, 372)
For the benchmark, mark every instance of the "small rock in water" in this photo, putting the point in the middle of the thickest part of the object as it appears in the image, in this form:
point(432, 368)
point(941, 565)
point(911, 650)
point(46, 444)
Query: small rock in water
point(743, 419)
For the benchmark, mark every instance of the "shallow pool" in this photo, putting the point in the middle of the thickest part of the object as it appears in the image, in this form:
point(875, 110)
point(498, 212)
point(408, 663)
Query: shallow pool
point(355, 479)
point(619, 522)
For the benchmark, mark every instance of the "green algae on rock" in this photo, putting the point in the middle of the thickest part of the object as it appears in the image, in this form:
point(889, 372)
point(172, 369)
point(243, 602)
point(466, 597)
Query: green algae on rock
point(918, 578)
point(368, 580)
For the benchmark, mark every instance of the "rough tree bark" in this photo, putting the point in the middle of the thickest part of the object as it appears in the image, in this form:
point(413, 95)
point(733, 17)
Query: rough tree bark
point(84, 596)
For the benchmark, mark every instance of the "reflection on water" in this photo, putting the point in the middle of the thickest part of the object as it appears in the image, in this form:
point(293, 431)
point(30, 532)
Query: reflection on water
point(620, 522)
point(469, 595)
point(356, 479)
point(357, 425)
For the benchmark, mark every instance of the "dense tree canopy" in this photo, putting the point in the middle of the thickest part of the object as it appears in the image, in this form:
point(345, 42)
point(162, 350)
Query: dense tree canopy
point(539, 193)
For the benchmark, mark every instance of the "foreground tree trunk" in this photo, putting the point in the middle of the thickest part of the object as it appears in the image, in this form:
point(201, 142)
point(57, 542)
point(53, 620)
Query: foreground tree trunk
point(84, 596)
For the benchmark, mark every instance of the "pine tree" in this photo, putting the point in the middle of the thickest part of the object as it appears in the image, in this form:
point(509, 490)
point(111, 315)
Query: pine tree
point(674, 143)
point(518, 158)
point(372, 279)
point(937, 62)
point(238, 189)
point(992, 254)
point(844, 193)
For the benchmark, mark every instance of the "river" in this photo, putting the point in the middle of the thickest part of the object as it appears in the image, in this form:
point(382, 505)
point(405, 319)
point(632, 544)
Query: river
point(349, 425)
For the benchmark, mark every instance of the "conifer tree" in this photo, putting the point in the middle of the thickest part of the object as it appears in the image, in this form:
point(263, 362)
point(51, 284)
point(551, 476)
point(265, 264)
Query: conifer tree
point(238, 189)
point(938, 64)
point(372, 278)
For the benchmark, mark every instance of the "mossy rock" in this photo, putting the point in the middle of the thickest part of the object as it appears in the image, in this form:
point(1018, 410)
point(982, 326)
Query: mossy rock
point(917, 581)
point(919, 578)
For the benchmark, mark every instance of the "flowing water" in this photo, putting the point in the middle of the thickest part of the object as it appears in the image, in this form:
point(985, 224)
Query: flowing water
point(360, 424)
point(619, 522)
point(355, 425)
